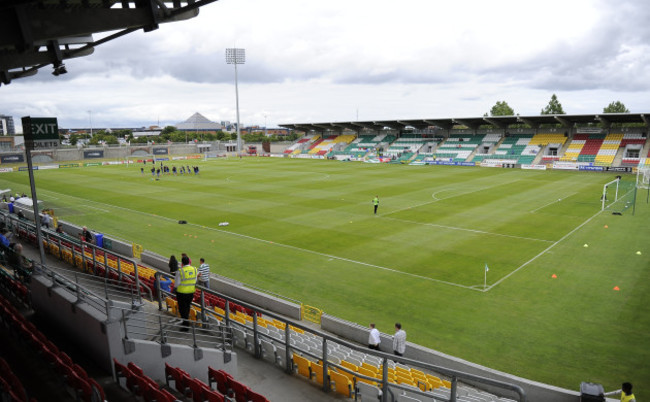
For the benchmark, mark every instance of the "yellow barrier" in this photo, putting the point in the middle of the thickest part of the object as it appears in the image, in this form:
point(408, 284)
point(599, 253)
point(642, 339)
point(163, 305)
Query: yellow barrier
point(310, 313)
point(137, 250)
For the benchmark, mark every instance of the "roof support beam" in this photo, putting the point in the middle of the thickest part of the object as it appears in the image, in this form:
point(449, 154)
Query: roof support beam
point(531, 123)
point(566, 123)
point(495, 123)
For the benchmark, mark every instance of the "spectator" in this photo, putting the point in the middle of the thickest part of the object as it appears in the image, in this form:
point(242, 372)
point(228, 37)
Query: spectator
point(373, 339)
point(46, 220)
point(204, 274)
point(399, 340)
point(4, 239)
point(173, 264)
point(166, 283)
point(86, 235)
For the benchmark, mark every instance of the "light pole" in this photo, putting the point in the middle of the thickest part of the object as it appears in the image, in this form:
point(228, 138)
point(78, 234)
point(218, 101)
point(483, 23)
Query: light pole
point(265, 131)
point(90, 119)
point(236, 56)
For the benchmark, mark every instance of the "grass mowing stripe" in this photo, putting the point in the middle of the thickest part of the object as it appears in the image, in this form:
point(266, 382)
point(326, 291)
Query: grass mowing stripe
point(543, 252)
point(465, 229)
point(559, 331)
point(303, 250)
point(552, 202)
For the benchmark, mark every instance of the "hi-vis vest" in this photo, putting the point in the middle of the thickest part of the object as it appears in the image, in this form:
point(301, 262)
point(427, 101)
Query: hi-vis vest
point(626, 398)
point(188, 279)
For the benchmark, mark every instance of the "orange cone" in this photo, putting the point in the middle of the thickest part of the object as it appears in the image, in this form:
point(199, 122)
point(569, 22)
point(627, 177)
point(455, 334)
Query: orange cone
point(616, 288)
point(606, 226)
point(554, 276)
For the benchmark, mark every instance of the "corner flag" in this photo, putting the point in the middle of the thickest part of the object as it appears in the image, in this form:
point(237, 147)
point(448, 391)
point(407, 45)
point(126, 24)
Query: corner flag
point(485, 276)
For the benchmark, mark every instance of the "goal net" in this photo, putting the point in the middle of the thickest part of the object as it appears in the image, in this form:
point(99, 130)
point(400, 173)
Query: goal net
point(643, 178)
point(618, 195)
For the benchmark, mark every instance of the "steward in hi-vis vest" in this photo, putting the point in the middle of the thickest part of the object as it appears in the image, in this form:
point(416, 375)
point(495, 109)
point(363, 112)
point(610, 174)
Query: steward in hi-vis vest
point(187, 283)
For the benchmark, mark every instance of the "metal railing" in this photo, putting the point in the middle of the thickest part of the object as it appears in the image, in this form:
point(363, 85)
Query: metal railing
point(214, 329)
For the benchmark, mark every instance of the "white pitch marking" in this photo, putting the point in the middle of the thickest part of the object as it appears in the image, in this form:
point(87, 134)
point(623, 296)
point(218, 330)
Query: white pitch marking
point(91, 207)
point(469, 230)
point(334, 257)
point(542, 253)
point(552, 202)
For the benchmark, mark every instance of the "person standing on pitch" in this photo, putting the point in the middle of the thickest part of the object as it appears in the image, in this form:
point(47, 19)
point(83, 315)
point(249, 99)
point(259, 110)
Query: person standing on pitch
point(375, 202)
point(399, 340)
point(185, 281)
point(204, 274)
point(373, 339)
point(625, 391)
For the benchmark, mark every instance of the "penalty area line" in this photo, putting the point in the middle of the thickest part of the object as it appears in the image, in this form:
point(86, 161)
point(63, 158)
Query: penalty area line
point(542, 253)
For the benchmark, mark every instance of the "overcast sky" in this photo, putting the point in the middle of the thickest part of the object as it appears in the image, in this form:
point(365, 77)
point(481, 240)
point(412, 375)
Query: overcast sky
point(343, 60)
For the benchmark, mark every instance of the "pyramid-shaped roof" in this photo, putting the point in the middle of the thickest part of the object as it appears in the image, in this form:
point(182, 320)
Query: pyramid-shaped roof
point(198, 122)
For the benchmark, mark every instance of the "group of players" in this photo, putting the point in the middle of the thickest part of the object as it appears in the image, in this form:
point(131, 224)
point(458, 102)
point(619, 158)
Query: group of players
point(156, 171)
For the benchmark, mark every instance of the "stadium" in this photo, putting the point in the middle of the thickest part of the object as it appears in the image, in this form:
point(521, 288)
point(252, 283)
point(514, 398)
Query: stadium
point(512, 249)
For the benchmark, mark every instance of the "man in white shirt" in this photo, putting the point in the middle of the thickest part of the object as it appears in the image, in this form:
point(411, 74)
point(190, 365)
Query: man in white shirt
point(374, 340)
point(204, 274)
point(399, 340)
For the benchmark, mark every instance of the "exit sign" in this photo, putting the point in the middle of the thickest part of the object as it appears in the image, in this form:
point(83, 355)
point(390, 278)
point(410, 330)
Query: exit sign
point(39, 128)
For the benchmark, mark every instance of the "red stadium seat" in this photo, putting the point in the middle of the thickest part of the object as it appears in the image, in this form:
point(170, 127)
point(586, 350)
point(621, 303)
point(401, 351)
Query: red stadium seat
point(221, 378)
point(255, 397)
point(240, 390)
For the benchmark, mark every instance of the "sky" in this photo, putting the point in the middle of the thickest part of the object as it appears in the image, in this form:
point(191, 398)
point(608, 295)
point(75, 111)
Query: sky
point(346, 60)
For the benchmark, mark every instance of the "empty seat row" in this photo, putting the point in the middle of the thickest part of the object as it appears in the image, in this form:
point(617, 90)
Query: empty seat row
point(11, 388)
point(72, 375)
point(227, 385)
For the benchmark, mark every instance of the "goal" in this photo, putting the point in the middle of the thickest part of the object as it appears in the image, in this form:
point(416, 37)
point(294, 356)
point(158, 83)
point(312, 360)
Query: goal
point(642, 183)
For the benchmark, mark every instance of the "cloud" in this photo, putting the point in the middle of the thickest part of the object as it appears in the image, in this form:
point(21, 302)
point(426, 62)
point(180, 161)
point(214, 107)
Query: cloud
point(324, 61)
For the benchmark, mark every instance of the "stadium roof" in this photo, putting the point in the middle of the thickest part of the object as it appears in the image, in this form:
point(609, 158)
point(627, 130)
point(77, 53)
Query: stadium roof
point(37, 33)
point(566, 120)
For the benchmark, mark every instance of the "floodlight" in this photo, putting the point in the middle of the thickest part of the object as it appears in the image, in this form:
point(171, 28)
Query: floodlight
point(236, 56)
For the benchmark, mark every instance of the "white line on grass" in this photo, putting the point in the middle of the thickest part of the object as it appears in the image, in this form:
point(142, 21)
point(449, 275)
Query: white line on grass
point(552, 202)
point(540, 254)
point(467, 230)
point(282, 245)
point(91, 207)
point(436, 199)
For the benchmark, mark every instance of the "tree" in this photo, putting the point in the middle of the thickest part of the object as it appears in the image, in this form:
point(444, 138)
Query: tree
point(616, 107)
point(553, 107)
point(501, 108)
point(168, 130)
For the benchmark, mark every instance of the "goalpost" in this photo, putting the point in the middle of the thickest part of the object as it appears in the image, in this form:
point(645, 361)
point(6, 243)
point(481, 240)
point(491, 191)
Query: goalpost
point(604, 198)
point(643, 183)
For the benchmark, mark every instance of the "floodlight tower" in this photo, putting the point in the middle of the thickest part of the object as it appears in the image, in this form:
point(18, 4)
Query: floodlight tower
point(236, 56)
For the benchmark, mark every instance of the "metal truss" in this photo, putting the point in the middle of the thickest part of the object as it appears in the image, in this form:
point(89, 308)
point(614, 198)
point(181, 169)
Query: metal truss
point(37, 33)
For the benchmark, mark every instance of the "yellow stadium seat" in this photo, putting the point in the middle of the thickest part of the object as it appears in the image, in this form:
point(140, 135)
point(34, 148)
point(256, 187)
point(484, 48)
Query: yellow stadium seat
point(316, 371)
point(370, 367)
point(341, 384)
point(349, 365)
point(302, 365)
point(172, 305)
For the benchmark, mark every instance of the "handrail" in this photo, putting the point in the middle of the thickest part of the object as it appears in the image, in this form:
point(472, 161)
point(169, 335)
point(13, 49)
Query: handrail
point(60, 239)
point(453, 374)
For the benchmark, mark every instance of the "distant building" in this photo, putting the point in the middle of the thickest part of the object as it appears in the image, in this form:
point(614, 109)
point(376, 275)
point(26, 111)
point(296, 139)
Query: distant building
point(7, 125)
point(198, 122)
point(146, 133)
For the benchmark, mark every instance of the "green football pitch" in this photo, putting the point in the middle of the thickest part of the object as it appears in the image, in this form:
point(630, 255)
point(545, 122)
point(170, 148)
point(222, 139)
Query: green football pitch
point(546, 308)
